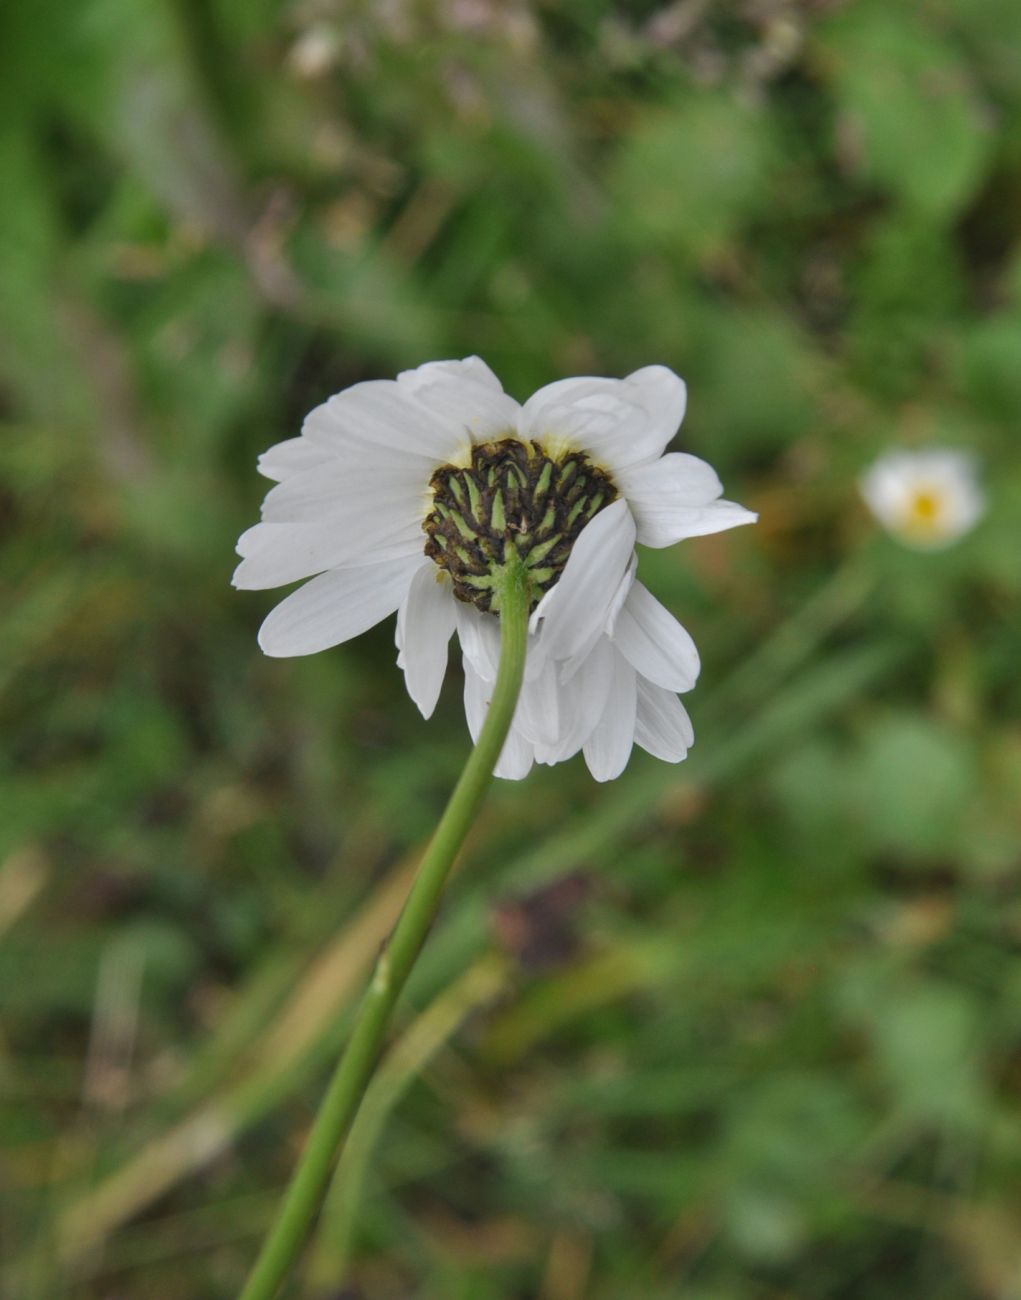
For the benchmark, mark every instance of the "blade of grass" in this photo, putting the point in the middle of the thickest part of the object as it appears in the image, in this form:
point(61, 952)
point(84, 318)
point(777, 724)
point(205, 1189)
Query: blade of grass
point(477, 987)
point(199, 1137)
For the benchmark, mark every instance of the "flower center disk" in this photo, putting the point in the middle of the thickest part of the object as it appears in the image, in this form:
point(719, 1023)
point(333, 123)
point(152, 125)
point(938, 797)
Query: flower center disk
point(512, 495)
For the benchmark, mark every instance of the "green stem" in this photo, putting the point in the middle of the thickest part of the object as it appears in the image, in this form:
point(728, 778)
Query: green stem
point(354, 1070)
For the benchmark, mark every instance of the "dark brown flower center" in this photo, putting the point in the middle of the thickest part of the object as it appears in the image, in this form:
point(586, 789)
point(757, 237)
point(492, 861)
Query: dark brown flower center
point(512, 495)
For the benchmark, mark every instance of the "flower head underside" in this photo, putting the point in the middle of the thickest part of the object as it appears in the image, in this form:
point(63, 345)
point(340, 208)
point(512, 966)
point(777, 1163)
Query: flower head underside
point(512, 495)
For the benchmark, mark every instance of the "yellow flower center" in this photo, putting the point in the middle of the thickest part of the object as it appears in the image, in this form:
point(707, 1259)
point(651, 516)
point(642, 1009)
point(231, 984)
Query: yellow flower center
point(925, 507)
point(924, 517)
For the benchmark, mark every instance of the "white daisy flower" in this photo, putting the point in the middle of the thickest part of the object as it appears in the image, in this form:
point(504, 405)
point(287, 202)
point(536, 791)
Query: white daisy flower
point(403, 496)
point(927, 499)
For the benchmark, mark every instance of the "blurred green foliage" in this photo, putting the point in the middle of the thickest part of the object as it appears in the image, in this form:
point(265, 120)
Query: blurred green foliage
point(741, 1030)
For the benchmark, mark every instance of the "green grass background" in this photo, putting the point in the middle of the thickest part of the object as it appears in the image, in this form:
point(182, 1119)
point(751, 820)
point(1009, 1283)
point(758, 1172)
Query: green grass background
point(744, 1029)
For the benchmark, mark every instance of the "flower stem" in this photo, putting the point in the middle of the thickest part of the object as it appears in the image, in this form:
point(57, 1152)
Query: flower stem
point(304, 1195)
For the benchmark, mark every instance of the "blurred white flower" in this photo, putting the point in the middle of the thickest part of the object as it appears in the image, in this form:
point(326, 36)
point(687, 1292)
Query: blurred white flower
point(404, 495)
point(927, 499)
point(314, 53)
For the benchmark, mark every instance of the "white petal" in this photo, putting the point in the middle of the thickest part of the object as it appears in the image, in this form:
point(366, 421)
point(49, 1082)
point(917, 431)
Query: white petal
point(517, 755)
point(583, 597)
point(254, 539)
point(619, 422)
point(676, 479)
point(663, 727)
point(656, 492)
point(484, 416)
point(476, 698)
point(664, 527)
point(465, 394)
point(608, 748)
point(425, 622)
point(535, 657)
point(654, 643)
point(591, 415)
point(293, 456)
point(568, 667)
point(665, 398)
point(471, 368)
point(884, 485)
point(335, 607)
point(479, 635)
point(382, 417)
point(335, 489)
point(966, 508)
point(582, 701)
point(537, 715)
point(621, 594)
point(280, 553)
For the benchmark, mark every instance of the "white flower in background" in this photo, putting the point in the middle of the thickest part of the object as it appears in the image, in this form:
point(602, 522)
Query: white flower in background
point(927, 499)
point(404, 495)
